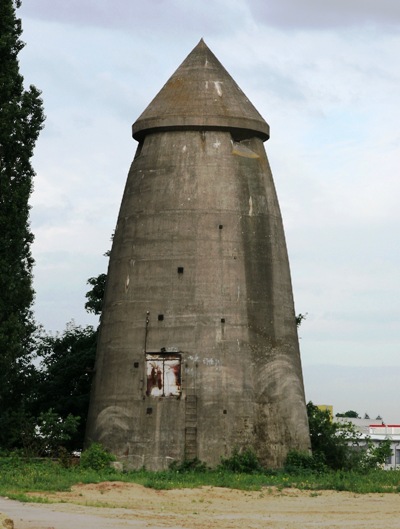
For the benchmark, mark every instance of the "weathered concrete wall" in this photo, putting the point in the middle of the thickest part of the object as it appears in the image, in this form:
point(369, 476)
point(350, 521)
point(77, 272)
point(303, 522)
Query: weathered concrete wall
point(199, 269)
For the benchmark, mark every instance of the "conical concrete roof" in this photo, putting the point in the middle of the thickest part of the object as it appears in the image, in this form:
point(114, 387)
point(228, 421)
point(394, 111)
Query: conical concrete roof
point(201, 95)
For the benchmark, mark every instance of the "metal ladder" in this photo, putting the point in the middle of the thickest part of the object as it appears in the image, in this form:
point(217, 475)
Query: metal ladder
point(191, 427)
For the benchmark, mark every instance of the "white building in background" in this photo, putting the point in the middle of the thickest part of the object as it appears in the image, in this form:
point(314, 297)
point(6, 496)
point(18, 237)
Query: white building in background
point(377, 431)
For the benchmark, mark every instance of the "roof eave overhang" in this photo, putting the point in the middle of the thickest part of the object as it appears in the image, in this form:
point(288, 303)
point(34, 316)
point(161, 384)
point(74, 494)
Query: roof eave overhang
point(239, 127)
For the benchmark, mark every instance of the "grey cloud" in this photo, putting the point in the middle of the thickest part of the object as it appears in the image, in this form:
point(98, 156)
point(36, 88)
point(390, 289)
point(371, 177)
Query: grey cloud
point(151, 17)
point(317, 14)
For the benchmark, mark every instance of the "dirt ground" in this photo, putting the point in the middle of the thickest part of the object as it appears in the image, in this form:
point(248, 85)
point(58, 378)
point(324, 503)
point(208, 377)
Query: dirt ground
point(114, 505)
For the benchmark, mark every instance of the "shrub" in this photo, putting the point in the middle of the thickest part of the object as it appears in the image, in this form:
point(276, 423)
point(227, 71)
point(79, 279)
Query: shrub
point(300, 461)
point(188, 465)
point(96, 457)
point(245, 462)
point(47, 434)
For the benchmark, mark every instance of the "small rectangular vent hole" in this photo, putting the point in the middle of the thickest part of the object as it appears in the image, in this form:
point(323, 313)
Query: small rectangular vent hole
point(149, 411)
point(136, 364)
point(161, 317)
point(180, 269)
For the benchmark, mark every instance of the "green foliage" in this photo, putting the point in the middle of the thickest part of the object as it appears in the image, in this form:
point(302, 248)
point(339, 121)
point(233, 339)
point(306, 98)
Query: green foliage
point(188, 465)
point(13, 425)
point(330, 440)
point(21, 119)
point(298, 462)
point(95, 296)
point(44, 435)
point(19, 476)
point(350, 413)
point(339, 446)
point(65, 379)
point(244, 462)
point(374, 456)
point(48, 433)
point(96, 458)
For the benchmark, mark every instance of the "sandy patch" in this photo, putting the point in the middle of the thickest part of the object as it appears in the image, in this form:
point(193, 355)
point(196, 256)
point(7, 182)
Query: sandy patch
point(115, 504)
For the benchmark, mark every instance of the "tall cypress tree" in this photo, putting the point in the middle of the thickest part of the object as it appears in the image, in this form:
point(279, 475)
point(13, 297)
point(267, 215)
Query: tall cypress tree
point(21, 119)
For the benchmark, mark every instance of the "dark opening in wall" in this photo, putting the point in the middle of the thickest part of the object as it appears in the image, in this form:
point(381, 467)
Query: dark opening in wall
point(224, 412)
point(136, 364)
point(180, 269)
point(161, 317)
point(149, 411)
point(220, 226)
point(222, 320)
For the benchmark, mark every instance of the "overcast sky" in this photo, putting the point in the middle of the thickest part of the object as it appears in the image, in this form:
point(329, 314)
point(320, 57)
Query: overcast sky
point(324, 75)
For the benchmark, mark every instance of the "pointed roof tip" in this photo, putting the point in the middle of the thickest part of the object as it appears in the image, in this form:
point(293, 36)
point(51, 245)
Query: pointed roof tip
point(201, 95)
point(200, 46)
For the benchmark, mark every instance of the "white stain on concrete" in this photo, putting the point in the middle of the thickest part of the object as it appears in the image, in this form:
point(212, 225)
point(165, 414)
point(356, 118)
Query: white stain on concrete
point(218, 88)
point(184, 148)
point(217, 144)
point(193, 358)
point(250, 207)
point(211, 362)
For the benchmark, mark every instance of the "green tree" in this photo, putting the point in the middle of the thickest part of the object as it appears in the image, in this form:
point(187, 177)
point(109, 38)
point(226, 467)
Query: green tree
point(375, 455)
point(332, 443)
point(338, 445)
point(21, 119)
point(351, 414)
point(67, 368)
point(48, 434)
point(95, 295)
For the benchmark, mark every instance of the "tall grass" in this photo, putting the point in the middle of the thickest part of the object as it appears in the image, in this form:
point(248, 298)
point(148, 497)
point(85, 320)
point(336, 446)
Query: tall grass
point(18, 477)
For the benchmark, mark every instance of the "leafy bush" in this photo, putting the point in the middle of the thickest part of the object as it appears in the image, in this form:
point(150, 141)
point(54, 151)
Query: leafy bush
point(65, 377)
point(245, 462)
point(374, 456)
point(331, 441)
point(96, 458)
point(45, 435)
point(297, 462)
point(188, 465)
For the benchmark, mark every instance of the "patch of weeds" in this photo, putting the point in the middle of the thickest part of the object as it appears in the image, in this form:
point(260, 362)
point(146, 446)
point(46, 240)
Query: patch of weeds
point(299, 462)
point(242, 462)
point(20, 496)
point(188, 465)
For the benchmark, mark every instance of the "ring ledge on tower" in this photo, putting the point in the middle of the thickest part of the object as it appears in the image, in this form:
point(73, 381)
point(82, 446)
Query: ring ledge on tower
point(201, 95)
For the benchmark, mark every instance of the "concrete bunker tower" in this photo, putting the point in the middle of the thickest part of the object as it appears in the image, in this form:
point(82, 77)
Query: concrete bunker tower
point(198, 351)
